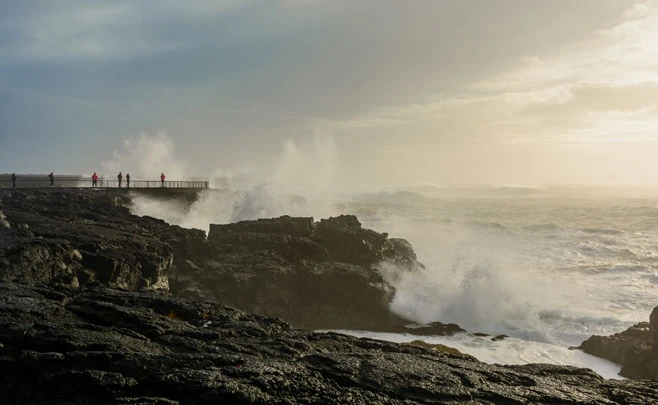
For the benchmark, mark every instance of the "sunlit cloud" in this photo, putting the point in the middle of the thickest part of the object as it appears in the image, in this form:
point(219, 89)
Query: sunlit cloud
point(608, 90)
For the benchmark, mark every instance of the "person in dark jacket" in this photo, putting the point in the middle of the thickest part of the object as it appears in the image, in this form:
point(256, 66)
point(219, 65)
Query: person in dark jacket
point(51, 176)
point(119, 177)
point(128, 180)
point(13, 181)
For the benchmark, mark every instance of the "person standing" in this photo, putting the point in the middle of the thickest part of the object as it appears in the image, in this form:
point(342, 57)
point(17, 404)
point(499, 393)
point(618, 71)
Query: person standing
point(128, 180)
point(94, 180)
point(119, 177)
point(51, 176)
point(13, 181)
point(162, 180)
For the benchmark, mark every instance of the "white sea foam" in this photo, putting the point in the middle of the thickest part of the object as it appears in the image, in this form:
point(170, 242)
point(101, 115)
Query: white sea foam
point(509, 351)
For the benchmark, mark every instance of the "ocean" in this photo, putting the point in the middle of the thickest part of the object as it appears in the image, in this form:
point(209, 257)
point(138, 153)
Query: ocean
point(547, 267)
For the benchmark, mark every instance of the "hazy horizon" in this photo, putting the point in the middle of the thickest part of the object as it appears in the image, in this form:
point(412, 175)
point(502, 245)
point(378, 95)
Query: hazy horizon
point(334, 95)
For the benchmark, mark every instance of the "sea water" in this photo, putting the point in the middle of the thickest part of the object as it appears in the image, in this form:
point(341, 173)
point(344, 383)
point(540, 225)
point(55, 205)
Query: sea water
point(547, 267)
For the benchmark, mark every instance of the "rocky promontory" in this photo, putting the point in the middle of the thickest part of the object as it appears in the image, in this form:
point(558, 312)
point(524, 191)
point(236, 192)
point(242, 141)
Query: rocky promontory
point(101, 306)
point(635, 349)
point(313, 274)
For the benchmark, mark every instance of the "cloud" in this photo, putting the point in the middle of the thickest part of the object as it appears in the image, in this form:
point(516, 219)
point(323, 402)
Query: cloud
point(395, 84)
point(106, 31)
point(600, 97)
point(548, 97)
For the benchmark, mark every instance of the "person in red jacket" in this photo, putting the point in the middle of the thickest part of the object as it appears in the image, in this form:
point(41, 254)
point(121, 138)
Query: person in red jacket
point(162, 179)
point(94, 180)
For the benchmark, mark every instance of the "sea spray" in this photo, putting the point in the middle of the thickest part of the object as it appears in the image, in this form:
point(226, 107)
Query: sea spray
point(299, 184)
point(145, 157)
point(226, 206)
point(465, 281)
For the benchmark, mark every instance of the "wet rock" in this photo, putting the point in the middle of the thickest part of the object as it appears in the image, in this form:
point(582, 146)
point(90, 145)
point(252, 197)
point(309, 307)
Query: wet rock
point(78, 236)
point(105, 346)
point(634, 349)
point(322, 275)
point(285, 225)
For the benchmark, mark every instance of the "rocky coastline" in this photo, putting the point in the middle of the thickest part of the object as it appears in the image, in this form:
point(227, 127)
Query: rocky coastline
point(101, 306)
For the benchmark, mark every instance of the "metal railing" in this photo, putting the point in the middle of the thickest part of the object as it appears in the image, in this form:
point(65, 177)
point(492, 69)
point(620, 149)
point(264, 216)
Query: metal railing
point(151, 184)
point(37, 181)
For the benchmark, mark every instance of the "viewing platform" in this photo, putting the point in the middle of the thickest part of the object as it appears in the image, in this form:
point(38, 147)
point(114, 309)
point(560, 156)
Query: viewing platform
point(66, 181)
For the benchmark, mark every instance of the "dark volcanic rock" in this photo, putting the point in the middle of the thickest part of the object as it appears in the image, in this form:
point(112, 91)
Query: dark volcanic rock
point(101, 346)
point(285, 225)
point(314, 274)
point(634, 349)
point(319, 275)
point(78, 237)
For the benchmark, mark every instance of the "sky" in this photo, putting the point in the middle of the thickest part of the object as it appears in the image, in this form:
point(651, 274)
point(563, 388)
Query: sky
point(333, 93)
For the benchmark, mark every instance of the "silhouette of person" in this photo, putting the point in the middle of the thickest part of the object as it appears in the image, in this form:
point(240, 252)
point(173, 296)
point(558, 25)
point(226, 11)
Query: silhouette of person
point(51, 176)
point(128, 180)
point(119, 177)
point(13, 181)
point(94, 180)
point(162, 179)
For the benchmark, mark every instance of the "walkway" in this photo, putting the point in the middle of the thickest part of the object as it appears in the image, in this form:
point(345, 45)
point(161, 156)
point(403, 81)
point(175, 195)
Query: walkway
point(42, 181)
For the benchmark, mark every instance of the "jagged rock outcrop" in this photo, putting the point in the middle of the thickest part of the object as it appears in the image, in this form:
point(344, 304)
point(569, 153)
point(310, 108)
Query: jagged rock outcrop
point(635, 349)
point(313, 274)
point(318, 275)
point(63, 345)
